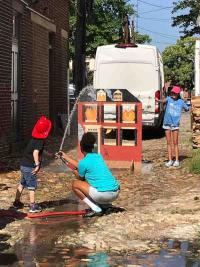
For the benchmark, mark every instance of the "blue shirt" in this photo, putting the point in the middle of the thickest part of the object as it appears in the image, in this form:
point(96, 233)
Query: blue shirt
point(96, 173)
point(173, 111)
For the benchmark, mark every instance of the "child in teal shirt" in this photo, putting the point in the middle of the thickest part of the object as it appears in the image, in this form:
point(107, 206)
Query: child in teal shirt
point(95, 185)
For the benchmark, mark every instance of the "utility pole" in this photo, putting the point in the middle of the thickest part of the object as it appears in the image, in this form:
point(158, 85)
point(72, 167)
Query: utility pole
point(133, 33)
point(137, 15)
point(80, 40)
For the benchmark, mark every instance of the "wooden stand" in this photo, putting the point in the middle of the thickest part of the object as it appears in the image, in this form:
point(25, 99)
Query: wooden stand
point(195, 113)
point(116, 123)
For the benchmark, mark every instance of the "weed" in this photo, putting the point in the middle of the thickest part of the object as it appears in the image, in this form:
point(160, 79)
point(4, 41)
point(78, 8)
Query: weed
point(195, 162)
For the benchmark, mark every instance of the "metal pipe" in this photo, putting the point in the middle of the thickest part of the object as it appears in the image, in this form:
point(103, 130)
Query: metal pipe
point(25, 3)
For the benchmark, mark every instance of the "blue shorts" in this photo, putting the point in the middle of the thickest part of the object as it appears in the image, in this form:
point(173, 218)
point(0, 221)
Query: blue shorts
point(28, 179)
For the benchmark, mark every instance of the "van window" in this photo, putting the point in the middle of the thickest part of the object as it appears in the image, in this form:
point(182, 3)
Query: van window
point(127, 75)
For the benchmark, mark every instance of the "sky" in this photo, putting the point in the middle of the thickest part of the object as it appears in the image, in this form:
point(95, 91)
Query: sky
point(156, 22)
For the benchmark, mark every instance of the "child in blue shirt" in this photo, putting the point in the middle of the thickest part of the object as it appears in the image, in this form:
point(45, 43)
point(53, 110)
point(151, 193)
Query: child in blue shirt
point(95, 185)
point(174, 106)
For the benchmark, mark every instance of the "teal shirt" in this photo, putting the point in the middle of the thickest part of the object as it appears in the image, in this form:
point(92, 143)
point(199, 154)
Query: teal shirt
point(96, 173)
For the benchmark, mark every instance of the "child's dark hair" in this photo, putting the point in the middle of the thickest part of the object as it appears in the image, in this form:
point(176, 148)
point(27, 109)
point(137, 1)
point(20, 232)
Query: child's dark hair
point(87, 142)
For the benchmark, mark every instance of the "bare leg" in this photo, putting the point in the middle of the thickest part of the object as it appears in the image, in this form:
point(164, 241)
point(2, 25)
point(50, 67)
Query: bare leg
point(81, 189)
point(169, 143)
point(175, 142)
point(19, 192)
point(32, 196)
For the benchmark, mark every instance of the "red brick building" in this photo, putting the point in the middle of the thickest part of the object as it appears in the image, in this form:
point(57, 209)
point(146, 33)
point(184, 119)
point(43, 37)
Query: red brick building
point(33, 65)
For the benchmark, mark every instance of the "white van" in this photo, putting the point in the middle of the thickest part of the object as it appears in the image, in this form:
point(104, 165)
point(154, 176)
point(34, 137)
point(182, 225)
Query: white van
point(137, 69)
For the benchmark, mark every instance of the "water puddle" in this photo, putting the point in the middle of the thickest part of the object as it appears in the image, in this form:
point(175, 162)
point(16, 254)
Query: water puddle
point(40, 247)
point(147, 167)
point(39, 251)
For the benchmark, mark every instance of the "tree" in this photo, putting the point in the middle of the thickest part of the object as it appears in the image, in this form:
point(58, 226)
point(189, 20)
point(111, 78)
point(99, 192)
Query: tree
point(95, 23)
point(178, 62)
point(142, 38)
point(104, 25)
point(187, 20)
point(80, 35)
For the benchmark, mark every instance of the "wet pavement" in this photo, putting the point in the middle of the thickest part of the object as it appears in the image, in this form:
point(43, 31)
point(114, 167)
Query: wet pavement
point(160, 204)
point(41, 247)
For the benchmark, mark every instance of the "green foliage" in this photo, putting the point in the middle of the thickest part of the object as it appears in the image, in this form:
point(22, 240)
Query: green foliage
point(72, 24)
point(195, 162)
point(188, 11)
point(179, 62)
point(142, 38)
point(90, 77)
point(104, 25)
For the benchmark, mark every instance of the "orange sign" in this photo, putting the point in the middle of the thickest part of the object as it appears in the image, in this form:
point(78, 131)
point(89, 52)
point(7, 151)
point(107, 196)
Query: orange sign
point(91, 114)
point(128, 113)
point(128, 116)
point(101, 95)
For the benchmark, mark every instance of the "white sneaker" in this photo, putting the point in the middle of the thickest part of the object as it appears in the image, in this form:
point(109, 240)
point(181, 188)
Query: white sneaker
point(176, 163)
point(169, 163)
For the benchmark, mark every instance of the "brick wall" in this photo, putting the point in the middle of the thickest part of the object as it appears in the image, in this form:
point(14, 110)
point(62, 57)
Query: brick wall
point(61, 21)
point(27, 108)
point(34, 94)
point(38, 93)
point(5, 74)
point(41, 94)
point(44, 95)
point(57, 11)
point(40, 70)
point(58, 96)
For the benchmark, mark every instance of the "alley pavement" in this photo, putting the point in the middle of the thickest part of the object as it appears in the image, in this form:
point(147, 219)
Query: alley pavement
point(161, 203)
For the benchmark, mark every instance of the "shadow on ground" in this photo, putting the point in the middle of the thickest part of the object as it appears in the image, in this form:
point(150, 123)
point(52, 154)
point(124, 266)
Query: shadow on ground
point(113, 209)
point(70, 201)
point(6, 258)
point(57, 203)
point(148, 134)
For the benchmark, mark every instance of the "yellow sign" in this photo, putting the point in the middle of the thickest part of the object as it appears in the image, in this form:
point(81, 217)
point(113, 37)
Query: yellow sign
point(101, 95)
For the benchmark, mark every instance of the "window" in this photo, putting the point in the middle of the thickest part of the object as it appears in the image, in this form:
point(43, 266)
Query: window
point(128, 136)
point(110, 136)
point(109, 113)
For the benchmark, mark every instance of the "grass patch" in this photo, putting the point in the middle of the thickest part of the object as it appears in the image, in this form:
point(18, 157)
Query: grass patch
point(195, 162)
